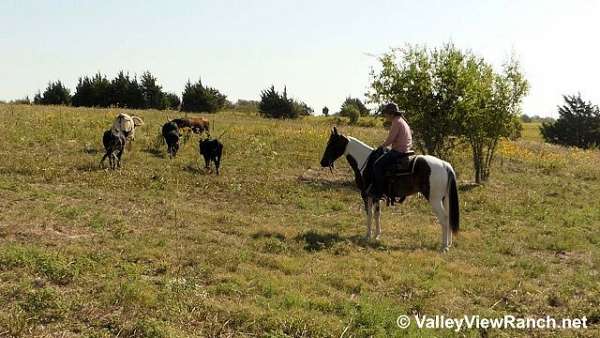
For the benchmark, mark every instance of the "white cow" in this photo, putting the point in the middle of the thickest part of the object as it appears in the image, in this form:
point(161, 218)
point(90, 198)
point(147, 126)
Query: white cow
point(126, 125)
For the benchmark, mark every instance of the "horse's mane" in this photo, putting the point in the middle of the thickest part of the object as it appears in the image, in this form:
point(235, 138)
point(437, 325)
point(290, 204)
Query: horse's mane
point(359, 142)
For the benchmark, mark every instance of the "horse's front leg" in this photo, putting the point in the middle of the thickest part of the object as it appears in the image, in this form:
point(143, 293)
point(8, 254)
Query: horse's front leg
point(377, 205)
point(369, 212)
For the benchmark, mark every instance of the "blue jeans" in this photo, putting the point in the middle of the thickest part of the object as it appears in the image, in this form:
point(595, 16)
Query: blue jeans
point(379, 168)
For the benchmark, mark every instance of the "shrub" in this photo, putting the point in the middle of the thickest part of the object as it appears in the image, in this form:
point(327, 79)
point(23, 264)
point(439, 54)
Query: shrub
point(352, 113)
point(171, 101)
point(55, 93)
point(578, 124)
point(354, 102)
point(126, 92)
point(325, 111)
point(93, 92)
point(152, 92)
point(275, 105)
point(198, 98)
point(301, 108)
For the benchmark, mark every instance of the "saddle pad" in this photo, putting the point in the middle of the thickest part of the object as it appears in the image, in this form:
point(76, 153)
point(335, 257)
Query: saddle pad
point(403, 167)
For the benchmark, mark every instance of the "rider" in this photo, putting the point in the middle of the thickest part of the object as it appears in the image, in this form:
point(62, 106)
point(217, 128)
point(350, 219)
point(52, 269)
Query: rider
point(400, 140)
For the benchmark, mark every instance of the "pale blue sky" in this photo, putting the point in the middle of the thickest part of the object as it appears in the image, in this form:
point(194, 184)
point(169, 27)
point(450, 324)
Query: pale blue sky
point(322, 50)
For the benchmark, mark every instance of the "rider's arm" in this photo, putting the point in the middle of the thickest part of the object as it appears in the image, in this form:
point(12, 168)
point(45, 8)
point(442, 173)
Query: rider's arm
point(394, 130)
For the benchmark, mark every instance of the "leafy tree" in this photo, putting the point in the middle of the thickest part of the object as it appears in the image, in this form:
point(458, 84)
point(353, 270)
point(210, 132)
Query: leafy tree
point(578, 124)
point(357, 103)
point(426, 85)
point(152, 92)
point(449, 95)
point(55, 93)
point(198, 98)
point(275, 105)
point(101, 91)
point(490, 110)
point(352, 113)
point(171, 101)
point(126, 92)
point(301, 108)
point(325, 111)
point(84, 93)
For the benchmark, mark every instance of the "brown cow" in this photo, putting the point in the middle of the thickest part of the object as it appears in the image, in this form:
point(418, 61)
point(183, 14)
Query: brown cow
point(196, 124)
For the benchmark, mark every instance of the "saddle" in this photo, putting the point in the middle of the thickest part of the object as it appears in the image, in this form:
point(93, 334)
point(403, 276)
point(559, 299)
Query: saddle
point(403, 166)
point(398, 178)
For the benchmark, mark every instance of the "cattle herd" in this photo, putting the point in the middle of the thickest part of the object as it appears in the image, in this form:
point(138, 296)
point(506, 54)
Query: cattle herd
point(123, 131)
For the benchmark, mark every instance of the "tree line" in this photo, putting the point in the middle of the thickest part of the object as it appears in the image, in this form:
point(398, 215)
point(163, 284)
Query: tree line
point(127, 91)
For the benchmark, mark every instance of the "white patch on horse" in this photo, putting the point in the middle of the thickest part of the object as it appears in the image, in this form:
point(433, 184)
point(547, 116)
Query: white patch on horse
point(440, 178)
point(359, 151)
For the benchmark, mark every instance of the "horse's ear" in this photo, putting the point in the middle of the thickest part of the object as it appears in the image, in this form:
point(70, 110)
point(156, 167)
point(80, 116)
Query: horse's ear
point(334, 131)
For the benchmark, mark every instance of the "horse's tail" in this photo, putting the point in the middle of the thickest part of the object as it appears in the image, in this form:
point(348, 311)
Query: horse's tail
point(452, 195)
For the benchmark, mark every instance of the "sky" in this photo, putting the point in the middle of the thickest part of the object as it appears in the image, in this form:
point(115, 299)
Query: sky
point(323, 51)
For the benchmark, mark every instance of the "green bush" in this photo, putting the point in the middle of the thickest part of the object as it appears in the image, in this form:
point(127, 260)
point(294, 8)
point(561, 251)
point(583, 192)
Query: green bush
point(152, 92)
point(356, 103)
point(93, 92)
point(578, 124)
point(126, 92)
point(275, 105)
point(352, 113)
point(55, 93)
point(198, 98)
point(171, 101)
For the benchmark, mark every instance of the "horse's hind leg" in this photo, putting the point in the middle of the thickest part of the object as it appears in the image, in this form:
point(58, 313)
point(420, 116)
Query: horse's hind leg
point(447, 214)
point(369, 212)
point(438, 208)
point(377, 206)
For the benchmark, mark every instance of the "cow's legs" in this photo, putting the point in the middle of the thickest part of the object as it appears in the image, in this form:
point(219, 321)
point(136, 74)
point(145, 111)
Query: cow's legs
point(103, 159)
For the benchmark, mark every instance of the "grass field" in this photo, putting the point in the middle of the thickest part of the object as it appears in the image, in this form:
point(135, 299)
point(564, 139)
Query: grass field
point(273, 247)
point(531, 132)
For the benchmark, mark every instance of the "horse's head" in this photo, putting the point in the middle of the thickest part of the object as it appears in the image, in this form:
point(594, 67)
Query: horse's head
point(336, 146)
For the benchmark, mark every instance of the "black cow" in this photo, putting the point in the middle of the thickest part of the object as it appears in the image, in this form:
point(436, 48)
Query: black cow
point(170, 132)
point(212, 150)
point(114, 144)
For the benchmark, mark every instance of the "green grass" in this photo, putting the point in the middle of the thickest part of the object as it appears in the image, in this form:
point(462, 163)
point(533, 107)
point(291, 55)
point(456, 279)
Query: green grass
point(531, 131)
point(273, 247)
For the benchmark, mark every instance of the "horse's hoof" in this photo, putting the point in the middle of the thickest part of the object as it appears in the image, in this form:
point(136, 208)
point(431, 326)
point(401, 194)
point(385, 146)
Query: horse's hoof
point(378, 237)
point(445, 249)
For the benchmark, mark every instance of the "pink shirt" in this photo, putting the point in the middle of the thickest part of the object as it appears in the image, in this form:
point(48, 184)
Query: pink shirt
point(400, 136)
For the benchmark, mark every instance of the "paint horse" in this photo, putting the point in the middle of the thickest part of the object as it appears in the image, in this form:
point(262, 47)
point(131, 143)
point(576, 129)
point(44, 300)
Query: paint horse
point(433, 178)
